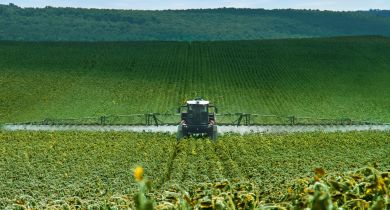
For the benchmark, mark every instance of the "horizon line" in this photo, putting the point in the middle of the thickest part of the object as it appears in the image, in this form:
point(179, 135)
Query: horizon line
point(200, 8)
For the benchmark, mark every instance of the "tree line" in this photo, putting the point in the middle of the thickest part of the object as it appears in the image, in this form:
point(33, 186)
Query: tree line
point(76, 24)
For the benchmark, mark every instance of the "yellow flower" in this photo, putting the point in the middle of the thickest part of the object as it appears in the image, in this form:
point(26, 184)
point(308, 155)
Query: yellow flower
point(380, 184)
point(139, 173)
point(289, 190)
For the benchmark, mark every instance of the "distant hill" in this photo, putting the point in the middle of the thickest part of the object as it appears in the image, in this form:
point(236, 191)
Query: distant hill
point(71, 24)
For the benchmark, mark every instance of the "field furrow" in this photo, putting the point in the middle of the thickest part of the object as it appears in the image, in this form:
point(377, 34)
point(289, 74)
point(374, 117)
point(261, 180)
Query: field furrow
point(326, 78)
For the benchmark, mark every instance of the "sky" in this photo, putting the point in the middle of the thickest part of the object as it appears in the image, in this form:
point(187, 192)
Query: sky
point(339, 5)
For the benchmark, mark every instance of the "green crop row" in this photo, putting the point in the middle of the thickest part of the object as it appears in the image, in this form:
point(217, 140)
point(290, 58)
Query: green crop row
point(87, 169)
point(325, 78)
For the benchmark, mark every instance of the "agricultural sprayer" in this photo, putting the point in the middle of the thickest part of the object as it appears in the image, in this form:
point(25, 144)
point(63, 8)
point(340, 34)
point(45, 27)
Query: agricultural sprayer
point(200, 117)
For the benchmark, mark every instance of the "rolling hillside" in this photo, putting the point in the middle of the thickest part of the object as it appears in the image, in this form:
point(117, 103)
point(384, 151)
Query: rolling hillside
point(70, 24)
point(323, 77)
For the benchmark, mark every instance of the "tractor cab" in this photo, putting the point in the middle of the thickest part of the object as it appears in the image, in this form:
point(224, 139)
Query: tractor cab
point(197, 117)
point(197, 112)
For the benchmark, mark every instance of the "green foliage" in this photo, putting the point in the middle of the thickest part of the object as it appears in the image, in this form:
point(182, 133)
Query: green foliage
point(87, 170)
point(365, 188)
point(324, 78)
point(70, 24)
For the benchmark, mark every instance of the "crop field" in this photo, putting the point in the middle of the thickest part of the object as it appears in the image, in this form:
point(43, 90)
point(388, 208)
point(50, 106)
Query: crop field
point(344, 77)
point(69, 170)
point(327, 77)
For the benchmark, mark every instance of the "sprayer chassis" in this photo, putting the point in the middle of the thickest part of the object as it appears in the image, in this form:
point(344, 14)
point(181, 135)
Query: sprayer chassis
point(197, 117)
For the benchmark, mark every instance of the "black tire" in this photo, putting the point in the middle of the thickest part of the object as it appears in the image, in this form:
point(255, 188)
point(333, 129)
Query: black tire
point(213, 134)
point(179, 134)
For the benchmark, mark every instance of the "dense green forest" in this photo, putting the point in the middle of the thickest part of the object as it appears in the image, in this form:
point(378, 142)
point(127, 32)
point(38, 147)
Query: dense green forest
point(71, 24)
